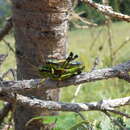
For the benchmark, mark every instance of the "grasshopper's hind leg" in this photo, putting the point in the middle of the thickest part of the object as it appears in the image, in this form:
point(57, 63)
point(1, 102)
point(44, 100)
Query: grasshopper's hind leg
point(66, 76)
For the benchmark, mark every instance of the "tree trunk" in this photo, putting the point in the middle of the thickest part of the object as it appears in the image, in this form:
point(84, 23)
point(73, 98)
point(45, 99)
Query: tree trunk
point(40, 33)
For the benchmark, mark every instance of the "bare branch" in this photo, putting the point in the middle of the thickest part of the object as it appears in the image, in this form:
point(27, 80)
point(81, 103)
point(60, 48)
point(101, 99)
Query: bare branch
point(107, 10)
point(119, 113)
point(118, 71)
point(85, 21)
point(5, 30)
point(33, 103)
point(81, 115)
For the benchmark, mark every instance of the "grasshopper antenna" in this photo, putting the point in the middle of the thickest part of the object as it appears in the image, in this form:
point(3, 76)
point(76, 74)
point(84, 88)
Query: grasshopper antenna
point(75, 57)
point(70, 58)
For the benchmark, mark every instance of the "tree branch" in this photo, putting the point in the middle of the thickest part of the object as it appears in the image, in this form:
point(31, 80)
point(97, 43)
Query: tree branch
point(5, 30)
point(118, 71)
point(74, 15)
point(107, 10)
point(33, 103)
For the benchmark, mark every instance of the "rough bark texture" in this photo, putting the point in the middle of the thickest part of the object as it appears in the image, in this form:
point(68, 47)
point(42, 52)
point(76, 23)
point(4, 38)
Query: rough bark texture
point(40, 33)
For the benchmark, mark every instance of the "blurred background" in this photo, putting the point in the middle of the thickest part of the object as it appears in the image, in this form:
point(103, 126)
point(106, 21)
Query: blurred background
point(105, 40)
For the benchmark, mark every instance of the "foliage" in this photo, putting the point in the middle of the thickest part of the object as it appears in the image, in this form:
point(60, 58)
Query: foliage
point(73, 122)
point(125, 7)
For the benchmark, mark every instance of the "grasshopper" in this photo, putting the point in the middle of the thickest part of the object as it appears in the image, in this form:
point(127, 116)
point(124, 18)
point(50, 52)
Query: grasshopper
point(61, 69)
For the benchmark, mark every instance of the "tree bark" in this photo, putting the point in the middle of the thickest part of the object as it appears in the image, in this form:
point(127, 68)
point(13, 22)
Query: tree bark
point(40, 33)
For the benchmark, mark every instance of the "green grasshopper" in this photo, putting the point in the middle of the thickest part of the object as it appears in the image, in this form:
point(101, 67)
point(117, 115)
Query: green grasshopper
point(58, 69)
point(61, 69)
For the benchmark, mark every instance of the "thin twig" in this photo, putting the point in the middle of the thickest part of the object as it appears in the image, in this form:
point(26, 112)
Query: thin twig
point(121, 46)
point(12, 71)
point(110, 44)
point(95, 64)
point(76, 93)
point(85, 21)
point(109, 32)
point(9, 46)
point(81, 115)
point(119, 113)
point(95, 38)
